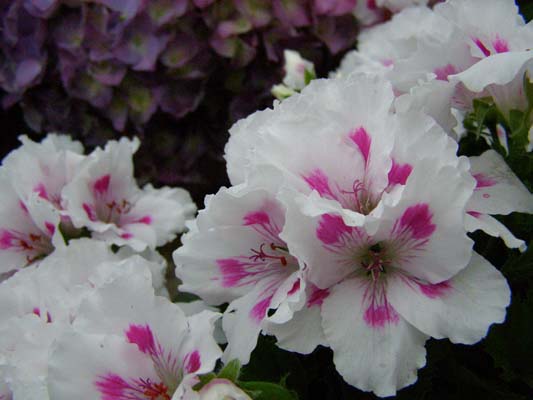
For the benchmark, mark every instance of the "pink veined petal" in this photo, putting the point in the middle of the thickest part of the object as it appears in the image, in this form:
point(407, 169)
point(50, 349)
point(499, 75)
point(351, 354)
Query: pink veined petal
point(374, 348)
point(461, 309)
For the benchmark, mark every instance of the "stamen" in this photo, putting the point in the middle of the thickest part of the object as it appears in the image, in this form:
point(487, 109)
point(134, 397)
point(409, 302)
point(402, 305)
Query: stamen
point(262, 256)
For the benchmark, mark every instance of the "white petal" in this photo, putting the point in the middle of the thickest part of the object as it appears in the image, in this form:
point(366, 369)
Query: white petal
point(491, 226)
point(461, 309)
point(382, 358)
point(498, 190)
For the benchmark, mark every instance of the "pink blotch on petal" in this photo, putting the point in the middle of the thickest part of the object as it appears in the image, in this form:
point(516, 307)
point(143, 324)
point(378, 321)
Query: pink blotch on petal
point(417, 219)
point(483, 181)
point(482, 47)
point(23, 207)
point(363, 141)
point(295, 287)
point(142, 336)
point(6, 240)
point(192, 362)
point(500, 45)
point(41, 190)
point(318, 181)
point(436, 290)
point(37, 311)
point(377, 316)
point(474, 214)
point(114, 387)
point(101, 185)
point(145, 220)
point(331, 228)
point(258, 312)
point(50, 228)
point(317, 296)
point(399, 173)
point(256, 217)
point(443, 72)
point(387, 62)
point(89, 210)
point(232, 270)
point(126, 235)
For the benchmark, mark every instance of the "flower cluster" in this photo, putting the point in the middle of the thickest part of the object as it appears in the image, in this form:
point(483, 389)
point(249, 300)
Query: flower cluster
point(51, 192)
point(346, 226)
point(85, 303)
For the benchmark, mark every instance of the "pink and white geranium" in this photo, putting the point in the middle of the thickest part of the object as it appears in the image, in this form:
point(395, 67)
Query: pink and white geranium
point(32, 178)
point(134, 345)
point(376, 206)
point(105, 198)
point(234, 254)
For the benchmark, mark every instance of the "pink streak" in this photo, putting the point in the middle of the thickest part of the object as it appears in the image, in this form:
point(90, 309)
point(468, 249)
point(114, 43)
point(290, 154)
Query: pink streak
point(50, 228)
point(417, 219)
point(232, 270)
point(500, 45)
point(483, 181)
point(317, 296)
point(6, 240)
point(258, 312)
point(41, 190)
point(256, 217)
point(482, 47)
point(399, 173)
point(145, 220)
point(126, 235)
point(101, 185)
point(376, 316)
point(142, 336)
point(474, 214)
point(318, 181)
point(37, 312)
point(436, 290)
point(443, 72)
point(89, 210)
point(295, 287)
point(331, 228)
point(361, 138)
point(192, 362)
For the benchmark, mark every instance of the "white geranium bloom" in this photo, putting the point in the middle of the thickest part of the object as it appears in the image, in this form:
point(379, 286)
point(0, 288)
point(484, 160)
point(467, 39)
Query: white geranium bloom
point(39, 303)
point(376, 211)
point(235, 255)
point(105, 198)
point(419, 45)
point(133, 345)
point(32, 178)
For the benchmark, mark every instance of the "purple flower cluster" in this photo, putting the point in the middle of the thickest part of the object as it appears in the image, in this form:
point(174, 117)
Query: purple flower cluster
point(68, 63)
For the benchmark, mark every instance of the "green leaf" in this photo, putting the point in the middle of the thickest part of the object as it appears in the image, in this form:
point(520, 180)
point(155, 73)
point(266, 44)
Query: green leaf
point(231, 371)
point(267, 391)
point(511, 344)
point(309, 75)
point(204, 380)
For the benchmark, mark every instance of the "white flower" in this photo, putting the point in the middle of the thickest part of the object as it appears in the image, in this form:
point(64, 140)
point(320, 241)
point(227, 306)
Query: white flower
point(376, 205)
point(32, 178)
point(133, 345)
point(40, 302)
point(105, 198)
point(234, 254)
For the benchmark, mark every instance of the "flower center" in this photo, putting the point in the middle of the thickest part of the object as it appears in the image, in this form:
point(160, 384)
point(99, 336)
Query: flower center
point(375, 260)
point(154, 391)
